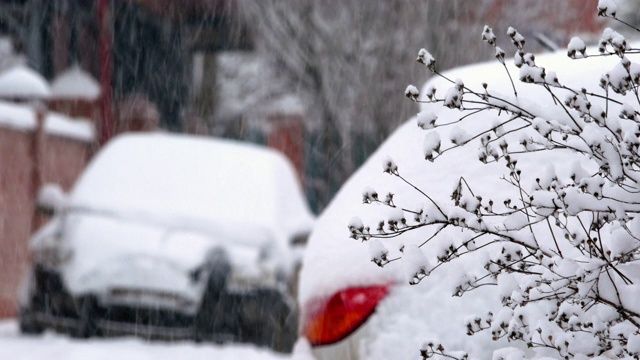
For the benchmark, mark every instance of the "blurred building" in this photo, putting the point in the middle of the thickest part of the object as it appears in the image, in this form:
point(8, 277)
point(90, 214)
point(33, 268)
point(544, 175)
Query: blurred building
point(151, 44)
point(164, 53)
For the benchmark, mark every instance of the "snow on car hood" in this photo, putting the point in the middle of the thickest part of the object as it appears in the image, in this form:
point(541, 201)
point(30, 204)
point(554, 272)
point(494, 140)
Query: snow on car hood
point(109, 252)
point(333, 261)
point(230, 186)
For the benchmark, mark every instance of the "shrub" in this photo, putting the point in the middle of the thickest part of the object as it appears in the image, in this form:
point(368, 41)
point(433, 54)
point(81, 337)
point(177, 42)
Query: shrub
point(563, 253)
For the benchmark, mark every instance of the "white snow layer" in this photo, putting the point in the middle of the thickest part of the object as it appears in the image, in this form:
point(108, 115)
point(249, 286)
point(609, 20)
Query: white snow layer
point(23, 118)
point(23, 82)
point(75, 83)
point(61, 347)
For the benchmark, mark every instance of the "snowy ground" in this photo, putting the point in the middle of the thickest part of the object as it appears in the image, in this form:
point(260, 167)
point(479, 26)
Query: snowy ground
point(16, 346)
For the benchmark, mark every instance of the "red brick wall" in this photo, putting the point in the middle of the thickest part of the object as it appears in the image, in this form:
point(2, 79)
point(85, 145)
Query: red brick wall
point(287, 136)
point(87, 109)
point(16, 209)
point(61, 161)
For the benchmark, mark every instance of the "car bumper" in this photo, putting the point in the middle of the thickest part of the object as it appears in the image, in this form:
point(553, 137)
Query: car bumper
point(48, 304)
point(111, 327)
point(346, 349)
point(261, 316)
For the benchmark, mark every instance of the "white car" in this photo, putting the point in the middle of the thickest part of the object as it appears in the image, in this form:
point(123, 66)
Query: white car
point(171, 236)
point(353, 309)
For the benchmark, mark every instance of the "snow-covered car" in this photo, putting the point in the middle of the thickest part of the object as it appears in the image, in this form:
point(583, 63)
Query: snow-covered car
point(171, 236)
point(353, 309)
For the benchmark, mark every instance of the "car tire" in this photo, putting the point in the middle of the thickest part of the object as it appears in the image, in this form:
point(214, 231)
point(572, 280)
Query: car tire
point(208, 316)
point(28, 323)
point(87, 320)
point(277, 315)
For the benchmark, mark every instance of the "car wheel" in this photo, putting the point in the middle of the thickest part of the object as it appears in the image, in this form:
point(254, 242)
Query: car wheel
point(27, 320)
point(28, 323)
point(208, 316)
point(273, 318)
point(87, 321)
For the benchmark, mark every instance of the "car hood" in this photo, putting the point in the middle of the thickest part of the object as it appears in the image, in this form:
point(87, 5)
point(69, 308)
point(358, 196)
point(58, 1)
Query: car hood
point(106, 252)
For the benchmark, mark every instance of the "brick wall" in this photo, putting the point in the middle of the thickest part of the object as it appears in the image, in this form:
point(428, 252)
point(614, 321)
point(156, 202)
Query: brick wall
point(15, 213)
point(25, 160)
point(287, 136)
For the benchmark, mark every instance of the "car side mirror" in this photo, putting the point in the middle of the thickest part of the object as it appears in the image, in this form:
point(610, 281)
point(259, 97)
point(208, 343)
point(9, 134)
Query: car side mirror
point(51, 199)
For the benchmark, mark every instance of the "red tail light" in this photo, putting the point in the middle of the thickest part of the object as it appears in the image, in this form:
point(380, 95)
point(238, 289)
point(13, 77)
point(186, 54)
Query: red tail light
point(331, 321)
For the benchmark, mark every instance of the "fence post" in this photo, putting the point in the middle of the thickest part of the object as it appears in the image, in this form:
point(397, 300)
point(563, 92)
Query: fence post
point(37, 164)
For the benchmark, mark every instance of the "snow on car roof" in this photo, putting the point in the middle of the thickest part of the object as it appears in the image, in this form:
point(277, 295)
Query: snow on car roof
point(333, 261)
point(195, 181)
